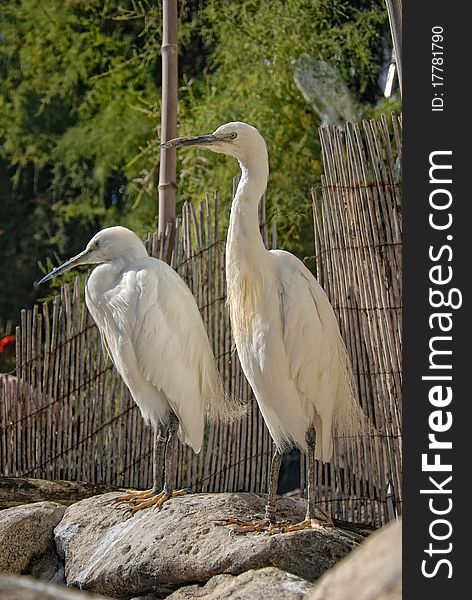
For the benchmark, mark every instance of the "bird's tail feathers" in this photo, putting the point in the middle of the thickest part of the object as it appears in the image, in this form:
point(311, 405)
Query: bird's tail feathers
point(349, 418)
point(219, 404)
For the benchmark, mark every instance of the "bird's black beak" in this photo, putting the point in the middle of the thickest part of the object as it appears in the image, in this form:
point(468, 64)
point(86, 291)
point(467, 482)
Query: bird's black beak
point(79, 259)
point(181, 142)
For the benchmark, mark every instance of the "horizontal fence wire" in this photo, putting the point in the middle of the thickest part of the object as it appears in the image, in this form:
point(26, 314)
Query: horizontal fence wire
point(66, 414)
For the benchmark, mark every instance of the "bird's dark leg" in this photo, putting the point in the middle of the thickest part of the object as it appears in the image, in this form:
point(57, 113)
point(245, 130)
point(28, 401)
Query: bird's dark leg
point(170, 457)
point(310, 439)
point(273, 483)
point(162, 490)
point(270, 520)
point(312, 511)
point(312, 519)
point(159, 446)
point(170, 467)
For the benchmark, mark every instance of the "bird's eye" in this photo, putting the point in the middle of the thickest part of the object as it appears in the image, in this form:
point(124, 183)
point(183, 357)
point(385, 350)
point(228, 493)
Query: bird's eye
point(233, 135)
point(97, 244)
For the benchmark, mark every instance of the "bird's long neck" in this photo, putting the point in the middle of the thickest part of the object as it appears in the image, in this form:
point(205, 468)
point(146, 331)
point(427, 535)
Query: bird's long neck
point(246, 255)
point(244, 241)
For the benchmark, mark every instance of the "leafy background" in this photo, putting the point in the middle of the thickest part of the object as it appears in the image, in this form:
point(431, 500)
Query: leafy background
point(80, 112)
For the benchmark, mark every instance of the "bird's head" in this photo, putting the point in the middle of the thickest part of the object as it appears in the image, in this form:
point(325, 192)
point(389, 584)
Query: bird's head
point(236, 139)
point(106, 245)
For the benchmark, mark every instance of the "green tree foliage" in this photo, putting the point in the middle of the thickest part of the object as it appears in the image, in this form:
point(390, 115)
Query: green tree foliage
point(251, 78)
point(79, 112)
point(75, 86)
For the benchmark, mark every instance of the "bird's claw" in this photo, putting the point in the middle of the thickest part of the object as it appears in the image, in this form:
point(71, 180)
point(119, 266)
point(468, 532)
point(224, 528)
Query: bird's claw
point(133, 496)
point(272, 527)
point(241, 527)
point(141, 499)
point(306, 524)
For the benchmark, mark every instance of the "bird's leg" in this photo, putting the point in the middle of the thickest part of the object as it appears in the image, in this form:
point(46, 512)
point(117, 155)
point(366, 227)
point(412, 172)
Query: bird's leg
point(273, 483)
point(310, 438)
point(158, 499)
point(159, 494)
point(159, 446)
point(312, 520)
point(170, 456)
point(270, 519)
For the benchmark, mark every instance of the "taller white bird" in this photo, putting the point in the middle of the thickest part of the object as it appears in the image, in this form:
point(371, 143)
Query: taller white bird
point(285, 329)
point(151, 326)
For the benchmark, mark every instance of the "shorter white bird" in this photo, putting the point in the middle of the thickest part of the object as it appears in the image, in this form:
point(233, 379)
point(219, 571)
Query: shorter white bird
point(151, 326)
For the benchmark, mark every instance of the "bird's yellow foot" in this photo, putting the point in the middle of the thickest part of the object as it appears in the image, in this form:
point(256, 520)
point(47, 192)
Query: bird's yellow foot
point(312, 523)
point(134, 495)
point(242, 526)
point(141, 499)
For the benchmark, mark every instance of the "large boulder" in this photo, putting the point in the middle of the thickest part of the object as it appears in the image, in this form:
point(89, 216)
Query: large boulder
point(269, 582)
point(372, 572)
point(108, 551)
point(27, 541)
point(27, 588)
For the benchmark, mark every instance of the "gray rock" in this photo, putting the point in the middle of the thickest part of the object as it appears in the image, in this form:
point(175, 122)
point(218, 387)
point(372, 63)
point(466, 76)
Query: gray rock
point(26, 539)
point(251, 585)
point(372, 572)
point(107, 551)
point(26, 588)
point(48, 566)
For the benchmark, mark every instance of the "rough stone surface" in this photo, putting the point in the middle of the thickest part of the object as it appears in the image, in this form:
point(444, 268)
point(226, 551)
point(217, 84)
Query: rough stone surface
point(26, 588)
point(48, 566)
point(108, 551)
point(252, 585)
point(372, 572)
point(26, 539)
point(16, 491)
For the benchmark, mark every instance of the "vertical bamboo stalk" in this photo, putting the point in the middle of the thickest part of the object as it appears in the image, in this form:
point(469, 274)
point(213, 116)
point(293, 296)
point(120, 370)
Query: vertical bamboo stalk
point(394, 8)
point(167, 168)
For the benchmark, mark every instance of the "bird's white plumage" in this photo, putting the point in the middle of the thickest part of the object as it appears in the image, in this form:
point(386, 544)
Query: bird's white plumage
point(315, 353)
point(148, 321)
point(285, 329)
point(151, 326)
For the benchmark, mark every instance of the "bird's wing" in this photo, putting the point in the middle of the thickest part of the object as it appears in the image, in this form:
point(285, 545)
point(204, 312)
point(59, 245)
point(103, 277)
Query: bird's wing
point(171, 344)
point(314, 348)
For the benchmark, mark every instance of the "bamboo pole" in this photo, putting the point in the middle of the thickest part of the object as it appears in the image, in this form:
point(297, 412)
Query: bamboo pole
point(394, 8)
point(167, 167)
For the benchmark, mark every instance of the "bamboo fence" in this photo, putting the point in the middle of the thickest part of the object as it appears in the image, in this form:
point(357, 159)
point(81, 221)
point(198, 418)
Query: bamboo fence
point(359, 262)
point(67, 415)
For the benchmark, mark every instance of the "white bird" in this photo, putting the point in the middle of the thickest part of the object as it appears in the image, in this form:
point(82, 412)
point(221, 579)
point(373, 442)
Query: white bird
point(285, 329)
point(151, 327)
